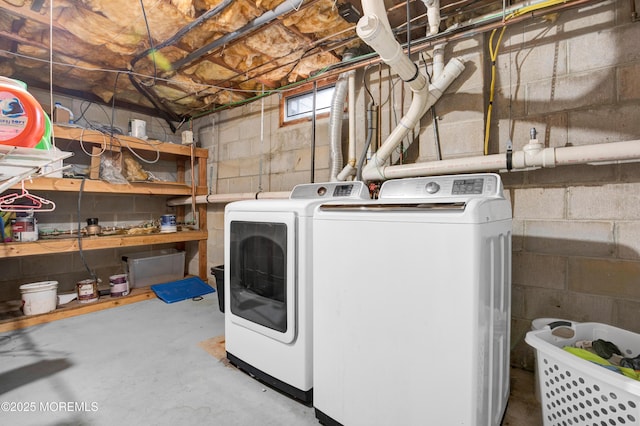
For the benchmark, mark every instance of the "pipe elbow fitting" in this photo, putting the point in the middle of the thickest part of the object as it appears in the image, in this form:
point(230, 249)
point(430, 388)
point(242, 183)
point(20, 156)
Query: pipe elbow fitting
point(373, 31)
point(373, 171)
point(347, 172)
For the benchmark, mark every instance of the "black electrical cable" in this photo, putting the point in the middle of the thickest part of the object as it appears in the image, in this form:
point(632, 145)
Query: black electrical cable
point(113, 103)
point(408, 30)
point(152, 50)
point(84, 261)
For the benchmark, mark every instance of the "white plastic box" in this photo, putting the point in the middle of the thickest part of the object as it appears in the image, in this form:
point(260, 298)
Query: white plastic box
point(578, 392)
point(155, 267)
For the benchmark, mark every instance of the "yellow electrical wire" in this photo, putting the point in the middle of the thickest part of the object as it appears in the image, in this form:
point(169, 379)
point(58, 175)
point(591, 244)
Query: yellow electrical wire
point(493, 53)
point(533, 7)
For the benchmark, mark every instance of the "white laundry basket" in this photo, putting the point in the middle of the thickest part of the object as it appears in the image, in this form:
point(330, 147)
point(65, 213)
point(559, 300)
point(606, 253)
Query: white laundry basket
point(578, 392)
point(559, 326)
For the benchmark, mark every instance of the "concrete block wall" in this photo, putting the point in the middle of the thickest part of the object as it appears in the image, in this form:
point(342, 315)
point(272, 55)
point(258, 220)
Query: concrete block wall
point(254, 153)
point(574, 77)
point(576, 254)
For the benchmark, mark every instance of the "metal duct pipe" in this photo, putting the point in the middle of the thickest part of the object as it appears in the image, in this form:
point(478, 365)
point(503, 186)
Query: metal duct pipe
point(335, 126)
point(350, 168)
point(344, 85)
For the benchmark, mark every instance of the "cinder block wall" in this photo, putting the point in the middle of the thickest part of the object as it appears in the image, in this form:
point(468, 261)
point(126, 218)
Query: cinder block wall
point(574, 76)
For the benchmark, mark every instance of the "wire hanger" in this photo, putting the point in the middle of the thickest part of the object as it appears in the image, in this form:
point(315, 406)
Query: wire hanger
point(15, 202)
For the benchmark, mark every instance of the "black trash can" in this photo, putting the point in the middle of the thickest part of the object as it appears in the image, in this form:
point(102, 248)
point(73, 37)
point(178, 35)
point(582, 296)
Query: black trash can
point(218, 273)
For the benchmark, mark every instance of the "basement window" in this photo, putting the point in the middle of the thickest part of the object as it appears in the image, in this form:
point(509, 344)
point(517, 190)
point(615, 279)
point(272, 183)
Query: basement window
point(297, 105)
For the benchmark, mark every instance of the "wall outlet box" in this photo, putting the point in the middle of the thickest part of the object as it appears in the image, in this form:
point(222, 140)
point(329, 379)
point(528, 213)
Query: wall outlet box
point(187, 137)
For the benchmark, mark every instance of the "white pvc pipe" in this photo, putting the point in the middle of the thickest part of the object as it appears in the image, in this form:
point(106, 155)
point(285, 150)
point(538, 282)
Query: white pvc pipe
point(598, 153)
point(373, 30)
point(421, 102)
point(604, 153)
point(227, 198)
point(433, 16)
point(438, 59)
point(493, 162)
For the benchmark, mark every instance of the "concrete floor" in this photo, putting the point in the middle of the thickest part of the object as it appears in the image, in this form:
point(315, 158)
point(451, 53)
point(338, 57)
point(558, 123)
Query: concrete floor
point(145, 364)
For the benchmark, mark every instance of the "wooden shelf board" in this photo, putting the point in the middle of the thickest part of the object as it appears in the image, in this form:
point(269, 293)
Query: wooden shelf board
point(95, 137)
point(73, 185)
point(49, 246)
point(75, 308)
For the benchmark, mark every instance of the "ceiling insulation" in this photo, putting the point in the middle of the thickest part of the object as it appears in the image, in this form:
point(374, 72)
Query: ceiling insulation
point(178, 58)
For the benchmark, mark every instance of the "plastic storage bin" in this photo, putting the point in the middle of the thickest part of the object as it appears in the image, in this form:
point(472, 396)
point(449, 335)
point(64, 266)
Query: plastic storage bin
point(577, 392)
point(218, 273)
point(154, 267)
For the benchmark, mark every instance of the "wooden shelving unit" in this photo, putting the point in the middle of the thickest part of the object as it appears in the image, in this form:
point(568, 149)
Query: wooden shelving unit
point(74, 308)
point(66, 245)
point(95, 141)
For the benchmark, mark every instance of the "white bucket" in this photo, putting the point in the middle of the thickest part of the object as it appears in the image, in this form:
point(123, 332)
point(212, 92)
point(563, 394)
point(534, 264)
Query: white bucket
point(39, 298)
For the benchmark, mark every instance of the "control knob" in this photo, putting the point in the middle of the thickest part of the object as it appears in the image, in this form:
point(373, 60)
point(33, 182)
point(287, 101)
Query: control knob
point(432, 187)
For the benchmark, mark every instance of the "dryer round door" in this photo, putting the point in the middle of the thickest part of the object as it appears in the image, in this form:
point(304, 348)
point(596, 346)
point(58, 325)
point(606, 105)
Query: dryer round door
point(260, 251)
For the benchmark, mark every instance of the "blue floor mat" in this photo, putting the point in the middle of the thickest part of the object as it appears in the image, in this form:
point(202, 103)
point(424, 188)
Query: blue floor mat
point(187, 288)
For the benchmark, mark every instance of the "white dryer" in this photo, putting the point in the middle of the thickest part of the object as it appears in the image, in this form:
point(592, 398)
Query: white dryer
point(412, 318)
point(268, 284)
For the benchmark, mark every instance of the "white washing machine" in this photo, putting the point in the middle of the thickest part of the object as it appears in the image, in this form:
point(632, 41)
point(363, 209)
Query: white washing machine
point(268, 291)
point(412, 316)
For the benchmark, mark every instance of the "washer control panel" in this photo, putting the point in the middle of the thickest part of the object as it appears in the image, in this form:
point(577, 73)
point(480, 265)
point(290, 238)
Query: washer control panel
point(453, 186)
point(357, 190)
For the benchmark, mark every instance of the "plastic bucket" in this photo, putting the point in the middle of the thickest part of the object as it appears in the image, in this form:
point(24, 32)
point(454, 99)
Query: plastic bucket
point(39, 298)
